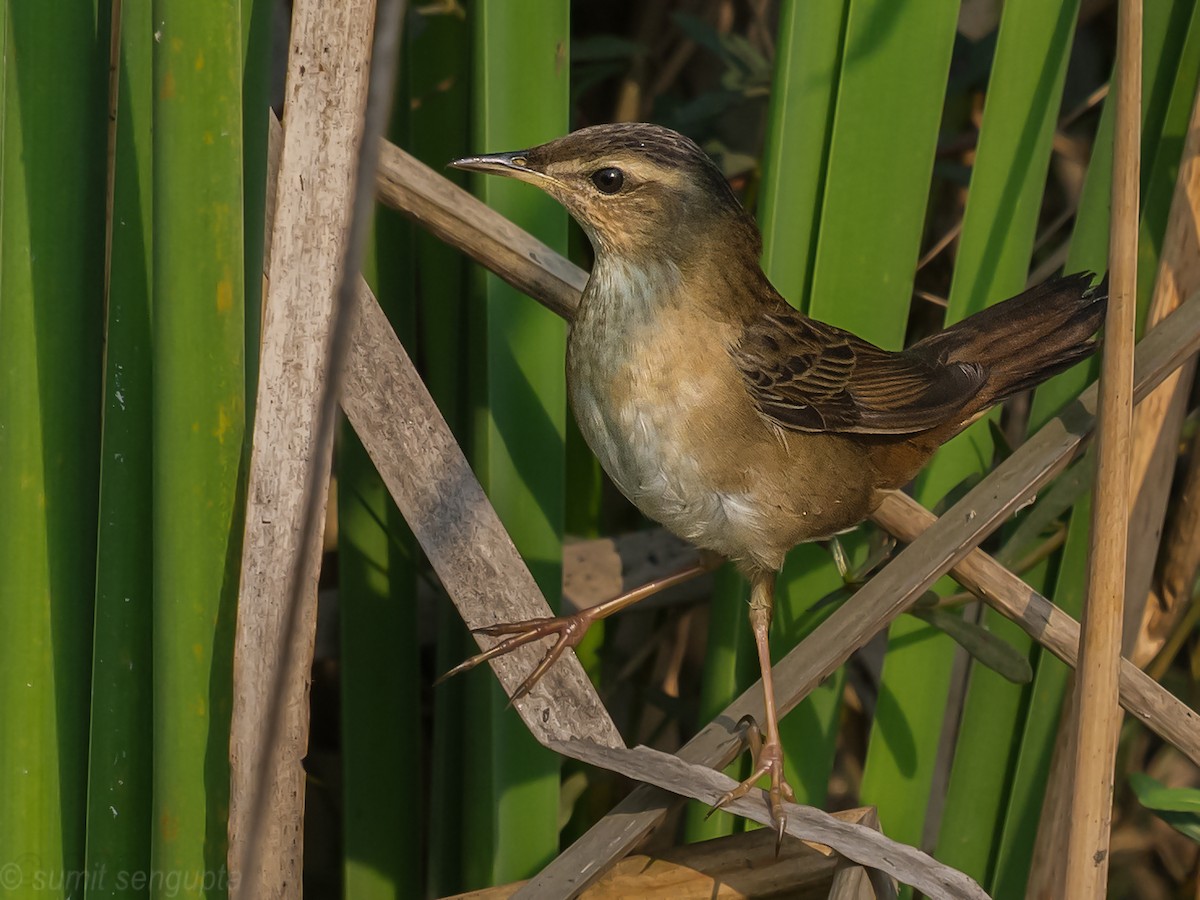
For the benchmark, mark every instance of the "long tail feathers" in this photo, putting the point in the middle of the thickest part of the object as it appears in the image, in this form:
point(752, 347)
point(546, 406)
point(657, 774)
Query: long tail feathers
point(1030, 337)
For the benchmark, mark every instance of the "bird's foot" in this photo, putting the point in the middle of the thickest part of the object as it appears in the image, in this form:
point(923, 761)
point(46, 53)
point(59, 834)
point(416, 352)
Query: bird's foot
point(569, 629)
point(879, 549)
point(768, 760)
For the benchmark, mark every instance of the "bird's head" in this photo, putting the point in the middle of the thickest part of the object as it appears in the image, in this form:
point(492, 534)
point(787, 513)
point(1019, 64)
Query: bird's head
point(636, 189)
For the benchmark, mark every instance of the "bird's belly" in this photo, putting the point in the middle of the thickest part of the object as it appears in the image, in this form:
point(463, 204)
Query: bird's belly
point(647, 448)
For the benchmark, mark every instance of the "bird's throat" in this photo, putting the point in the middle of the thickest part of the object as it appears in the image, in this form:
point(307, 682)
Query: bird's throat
point(625, 295)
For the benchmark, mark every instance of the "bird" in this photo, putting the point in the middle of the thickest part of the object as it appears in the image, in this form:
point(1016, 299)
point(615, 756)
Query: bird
point(727, 415)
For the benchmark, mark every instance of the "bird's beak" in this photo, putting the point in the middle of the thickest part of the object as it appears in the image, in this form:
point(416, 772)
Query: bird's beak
point(514, 165)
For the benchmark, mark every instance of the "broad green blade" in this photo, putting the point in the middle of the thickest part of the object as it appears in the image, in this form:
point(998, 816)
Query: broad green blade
point(876, 189)
point(256, 102)
point(808, 58)
point(199, 424)
point(119, 765)
point(380, 681)
point(437, 57)
point(521, 81)
point(437, 60)
point(803, 98)
point(53, 135)
point(885, 132)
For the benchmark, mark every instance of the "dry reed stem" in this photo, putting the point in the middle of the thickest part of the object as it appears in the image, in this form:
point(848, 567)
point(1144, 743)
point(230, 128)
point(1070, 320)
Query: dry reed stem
point(1157, 423)
point(336, 118)
point(1097, 683)
point(289, 467)
point(1158, 419)
point(1171, 596)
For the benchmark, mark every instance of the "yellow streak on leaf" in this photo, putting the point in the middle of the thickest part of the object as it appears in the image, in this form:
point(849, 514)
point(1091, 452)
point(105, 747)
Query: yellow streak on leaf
point(168, 826)
point(224, 295)
point(224, 422)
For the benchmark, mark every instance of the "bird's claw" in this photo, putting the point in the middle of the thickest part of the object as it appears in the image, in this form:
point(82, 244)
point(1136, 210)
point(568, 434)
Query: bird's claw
point(570, 631)
point(768, 760)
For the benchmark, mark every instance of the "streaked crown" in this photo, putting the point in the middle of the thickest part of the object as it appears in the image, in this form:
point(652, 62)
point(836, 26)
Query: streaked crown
point(635, 188)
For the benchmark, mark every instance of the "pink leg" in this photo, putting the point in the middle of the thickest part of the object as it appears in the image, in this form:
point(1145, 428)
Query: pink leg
point(768, 754)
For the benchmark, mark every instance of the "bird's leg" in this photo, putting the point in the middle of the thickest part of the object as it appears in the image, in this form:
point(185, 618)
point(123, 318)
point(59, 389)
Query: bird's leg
point(768, 753)
point(570, 629)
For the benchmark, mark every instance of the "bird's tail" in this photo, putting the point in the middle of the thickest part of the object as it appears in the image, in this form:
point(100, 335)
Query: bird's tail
point(1028, 338)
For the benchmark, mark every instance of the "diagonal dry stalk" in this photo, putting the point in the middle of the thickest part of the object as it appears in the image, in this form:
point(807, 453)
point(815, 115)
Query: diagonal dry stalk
point(433, 486)
point(1006, 593)
point(858, 843)
point(460, 219)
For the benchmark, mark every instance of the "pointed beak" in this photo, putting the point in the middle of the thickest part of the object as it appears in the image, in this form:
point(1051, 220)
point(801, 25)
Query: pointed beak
point(514, 165)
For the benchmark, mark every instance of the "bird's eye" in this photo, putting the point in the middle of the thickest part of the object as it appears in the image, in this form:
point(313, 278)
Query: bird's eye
point(608, 180)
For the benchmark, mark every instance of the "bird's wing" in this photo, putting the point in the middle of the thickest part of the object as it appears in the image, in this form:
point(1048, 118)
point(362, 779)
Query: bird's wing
point(805, 375)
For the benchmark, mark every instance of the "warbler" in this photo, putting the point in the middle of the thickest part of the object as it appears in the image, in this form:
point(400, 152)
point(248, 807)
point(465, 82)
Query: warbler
point(722, 412)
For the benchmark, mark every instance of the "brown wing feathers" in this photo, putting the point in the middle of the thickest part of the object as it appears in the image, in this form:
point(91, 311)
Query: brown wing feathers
point(808, 376)
point(805, 375)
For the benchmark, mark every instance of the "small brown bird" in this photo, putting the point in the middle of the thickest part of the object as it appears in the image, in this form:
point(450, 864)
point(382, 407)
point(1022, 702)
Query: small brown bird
point(720, 411)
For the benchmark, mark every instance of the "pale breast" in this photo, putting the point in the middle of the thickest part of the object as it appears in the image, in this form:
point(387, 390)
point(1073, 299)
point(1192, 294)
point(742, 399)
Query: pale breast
point(643, 433)
point(648, 410)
